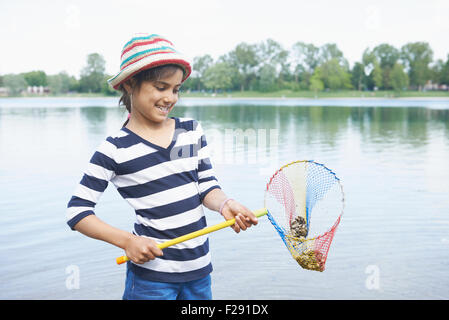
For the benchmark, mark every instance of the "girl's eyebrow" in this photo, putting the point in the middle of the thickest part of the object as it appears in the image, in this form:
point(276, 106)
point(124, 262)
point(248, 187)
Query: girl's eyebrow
point(166, 83)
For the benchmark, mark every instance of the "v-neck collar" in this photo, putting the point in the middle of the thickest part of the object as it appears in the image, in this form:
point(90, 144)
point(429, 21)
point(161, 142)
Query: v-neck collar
point(153, 145)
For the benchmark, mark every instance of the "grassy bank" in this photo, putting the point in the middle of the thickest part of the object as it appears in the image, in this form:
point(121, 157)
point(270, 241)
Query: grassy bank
point(279, 94)
point(323, 94)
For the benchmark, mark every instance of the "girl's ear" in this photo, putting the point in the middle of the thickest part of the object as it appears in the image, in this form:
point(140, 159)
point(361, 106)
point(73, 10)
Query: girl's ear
point(127, 88)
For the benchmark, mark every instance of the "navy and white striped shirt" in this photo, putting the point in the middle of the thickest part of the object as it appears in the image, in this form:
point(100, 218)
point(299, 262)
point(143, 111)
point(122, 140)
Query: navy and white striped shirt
point(165, 186)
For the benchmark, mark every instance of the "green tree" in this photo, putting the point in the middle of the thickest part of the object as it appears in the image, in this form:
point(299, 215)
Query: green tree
point(61, 83)
point(92, 75)
point(36, 78)
point(15, 83)
point(358, 76)
point(330, 51)
point(106, 88)
point(306, 56)
point(200, 65)
point(387, 56)
point(192, 83)
point(285, 75)
point(244, 60)
point(267, 81)
point(444, 76)
point(440, 71)
point(272, 53)
point(376, 75)
point(399, 79)
point(372, 69)
point(316, 84)
point(301, 76)
point(218, 76)
point(334, 76)
point(417, 56)
point(74, 85)
point(436, 71)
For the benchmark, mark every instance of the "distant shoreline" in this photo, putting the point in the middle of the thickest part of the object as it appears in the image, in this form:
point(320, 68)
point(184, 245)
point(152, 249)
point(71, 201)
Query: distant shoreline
point(108, 101)
point(240, 98)
point(320, 98)
point(275, 95)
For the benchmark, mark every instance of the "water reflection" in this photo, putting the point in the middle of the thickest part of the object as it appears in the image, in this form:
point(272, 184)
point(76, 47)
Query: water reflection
point(94, 115)
point(410, 126)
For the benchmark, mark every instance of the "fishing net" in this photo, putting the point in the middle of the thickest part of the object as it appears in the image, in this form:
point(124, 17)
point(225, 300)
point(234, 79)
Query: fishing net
point(305, 202)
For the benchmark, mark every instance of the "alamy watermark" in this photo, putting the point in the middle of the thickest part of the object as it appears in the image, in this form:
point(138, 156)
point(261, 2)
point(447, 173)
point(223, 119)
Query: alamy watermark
point(233, 146)
point(243, 146)
point(372, 281)
point(72, 280)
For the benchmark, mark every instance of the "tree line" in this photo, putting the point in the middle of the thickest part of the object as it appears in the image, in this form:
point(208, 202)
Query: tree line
point(268, 66)
point(92, 79)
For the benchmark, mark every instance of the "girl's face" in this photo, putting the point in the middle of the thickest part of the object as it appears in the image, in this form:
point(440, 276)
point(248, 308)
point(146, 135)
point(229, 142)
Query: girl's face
point(155, 99)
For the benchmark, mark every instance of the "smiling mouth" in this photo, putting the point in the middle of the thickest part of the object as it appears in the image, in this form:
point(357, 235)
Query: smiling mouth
point(164, 109)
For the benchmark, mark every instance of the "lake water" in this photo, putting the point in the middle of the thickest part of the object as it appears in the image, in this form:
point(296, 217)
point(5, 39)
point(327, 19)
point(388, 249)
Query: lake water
point(392, 157)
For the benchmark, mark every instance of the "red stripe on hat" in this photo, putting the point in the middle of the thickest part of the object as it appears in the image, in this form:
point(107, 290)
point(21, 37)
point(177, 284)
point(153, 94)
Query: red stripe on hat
point(144, 56)
point(143, 44)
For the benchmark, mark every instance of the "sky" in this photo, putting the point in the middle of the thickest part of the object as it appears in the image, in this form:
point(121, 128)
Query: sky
point(56, 36)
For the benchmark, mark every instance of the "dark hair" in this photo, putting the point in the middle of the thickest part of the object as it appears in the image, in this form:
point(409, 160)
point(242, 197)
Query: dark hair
point(151, 74)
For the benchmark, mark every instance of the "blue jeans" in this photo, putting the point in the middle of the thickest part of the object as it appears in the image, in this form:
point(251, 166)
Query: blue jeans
point(137, 288)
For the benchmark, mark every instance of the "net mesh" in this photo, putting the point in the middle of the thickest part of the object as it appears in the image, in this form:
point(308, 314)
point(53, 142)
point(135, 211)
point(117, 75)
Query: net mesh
point(305, 201)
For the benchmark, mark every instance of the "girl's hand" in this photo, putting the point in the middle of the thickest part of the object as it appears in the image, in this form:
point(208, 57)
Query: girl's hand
point(244, 218)
point(141, 249)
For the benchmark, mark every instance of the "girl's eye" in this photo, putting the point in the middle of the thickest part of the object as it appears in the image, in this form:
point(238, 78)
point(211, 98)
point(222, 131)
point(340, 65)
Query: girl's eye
point(165, 88)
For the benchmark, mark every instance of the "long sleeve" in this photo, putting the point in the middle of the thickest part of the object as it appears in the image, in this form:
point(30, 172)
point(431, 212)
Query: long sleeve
point(206, 174)
point(100, 170)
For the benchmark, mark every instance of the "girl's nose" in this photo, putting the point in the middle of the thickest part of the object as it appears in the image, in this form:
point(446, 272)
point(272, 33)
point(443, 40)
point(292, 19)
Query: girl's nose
point(170, 97)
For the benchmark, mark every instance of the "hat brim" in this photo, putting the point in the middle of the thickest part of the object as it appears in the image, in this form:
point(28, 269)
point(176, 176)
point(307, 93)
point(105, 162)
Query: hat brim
point(150, 62)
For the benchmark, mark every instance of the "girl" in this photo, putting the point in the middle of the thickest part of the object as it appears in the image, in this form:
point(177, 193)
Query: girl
point(161, 166)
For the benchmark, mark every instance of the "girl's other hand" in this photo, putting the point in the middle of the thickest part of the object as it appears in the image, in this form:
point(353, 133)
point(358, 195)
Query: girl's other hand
point(141, 249)
point(244, 218)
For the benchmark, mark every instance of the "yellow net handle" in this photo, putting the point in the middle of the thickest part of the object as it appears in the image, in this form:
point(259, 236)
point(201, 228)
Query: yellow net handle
point(258, 213)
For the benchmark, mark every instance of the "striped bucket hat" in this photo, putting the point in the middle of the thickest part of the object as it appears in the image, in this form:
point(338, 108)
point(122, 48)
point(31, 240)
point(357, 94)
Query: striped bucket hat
point(146, 51)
